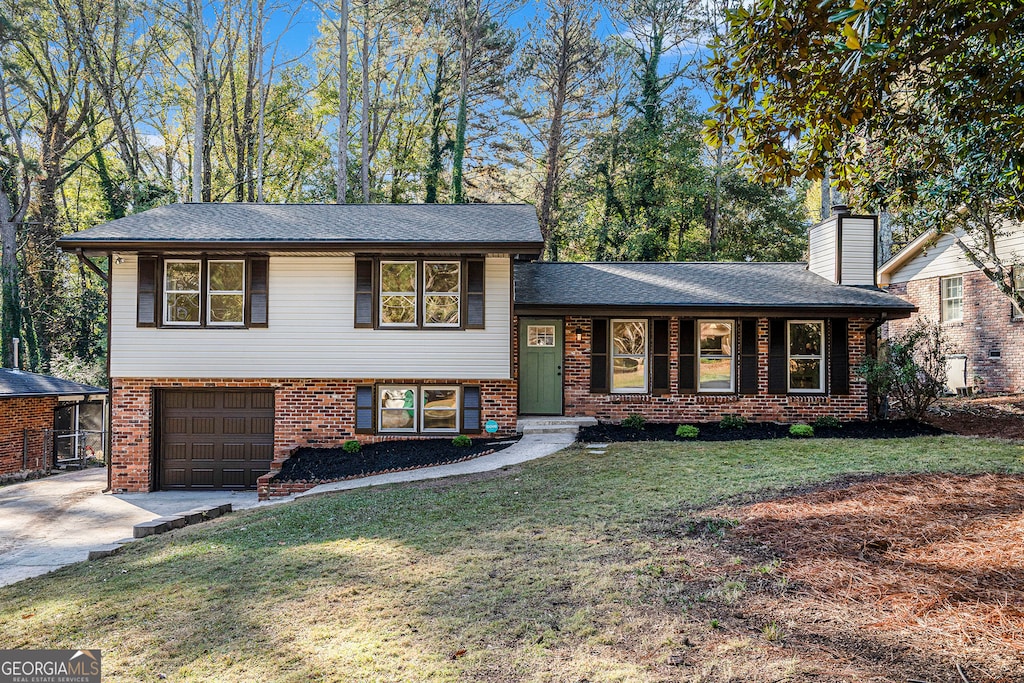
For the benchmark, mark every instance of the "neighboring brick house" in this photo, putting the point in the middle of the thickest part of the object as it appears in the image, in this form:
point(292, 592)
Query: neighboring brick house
point(32, 406)
point(984, 331)
point(240, 332)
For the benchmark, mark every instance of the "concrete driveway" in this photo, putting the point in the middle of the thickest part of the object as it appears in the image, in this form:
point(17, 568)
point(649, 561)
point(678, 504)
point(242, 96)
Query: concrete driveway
point(48, 523)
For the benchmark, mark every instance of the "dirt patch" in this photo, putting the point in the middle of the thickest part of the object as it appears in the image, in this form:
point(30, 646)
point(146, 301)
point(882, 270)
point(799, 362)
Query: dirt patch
point(1000, 417)
point(914, 574)
point(879, 429)
point(332, 464)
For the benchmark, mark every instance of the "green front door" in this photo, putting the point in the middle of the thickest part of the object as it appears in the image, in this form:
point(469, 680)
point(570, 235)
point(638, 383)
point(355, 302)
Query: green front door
point(540, 366)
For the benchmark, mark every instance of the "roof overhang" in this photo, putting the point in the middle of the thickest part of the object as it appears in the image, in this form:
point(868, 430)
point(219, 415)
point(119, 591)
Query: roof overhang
point(900, 259)
point(719, 311)
point(95, 247)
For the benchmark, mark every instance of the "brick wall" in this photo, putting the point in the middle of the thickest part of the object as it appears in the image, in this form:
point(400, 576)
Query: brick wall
point(308, 412)
point(986, 327)
point(679, 408)
point(17, 415)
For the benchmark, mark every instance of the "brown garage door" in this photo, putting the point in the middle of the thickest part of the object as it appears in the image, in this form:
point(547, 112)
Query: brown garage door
point(215, 439)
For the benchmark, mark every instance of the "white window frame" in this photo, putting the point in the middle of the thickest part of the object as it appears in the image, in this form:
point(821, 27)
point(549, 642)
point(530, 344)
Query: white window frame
point(198, 292)
point(423, 408)
point(457, 294)
point(1016, 273)
point(820, 357)
point(415, 408)
point(943, 298)
point(210, 292)
point(413, 293)
point(731, 357)
point(612, 355)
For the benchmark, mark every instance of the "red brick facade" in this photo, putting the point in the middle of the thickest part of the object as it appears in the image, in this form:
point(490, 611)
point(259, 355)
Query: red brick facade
point(308, 412)
point(990, 337)
point(22, 418)
point(687, 407)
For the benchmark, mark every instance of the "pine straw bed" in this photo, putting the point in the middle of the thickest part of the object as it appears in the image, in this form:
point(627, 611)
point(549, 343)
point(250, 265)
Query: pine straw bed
point(934, 562)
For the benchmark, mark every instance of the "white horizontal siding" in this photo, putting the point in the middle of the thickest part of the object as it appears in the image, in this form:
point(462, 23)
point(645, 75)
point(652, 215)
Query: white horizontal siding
point(946, 258)
point(311, 333)
point(858, 267)
point(821, 250)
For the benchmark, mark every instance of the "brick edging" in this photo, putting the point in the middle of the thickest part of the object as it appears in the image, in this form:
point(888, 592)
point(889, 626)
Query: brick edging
point(267, 488)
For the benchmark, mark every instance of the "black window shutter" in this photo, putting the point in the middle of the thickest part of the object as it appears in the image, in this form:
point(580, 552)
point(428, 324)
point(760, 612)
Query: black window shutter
point(778, 364)
point(839, 352)
point(470, 409)
point(599, 356)
point(147, 310)
point(660, 380)
point(748, 356)
point(364, 410)
point(364, 293)
point(688, 356)
point(259, 290)
point(474, 310)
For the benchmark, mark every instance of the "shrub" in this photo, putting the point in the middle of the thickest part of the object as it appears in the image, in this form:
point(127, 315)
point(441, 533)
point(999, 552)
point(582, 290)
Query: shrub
point(634, 421)
point(351, 446)
point(827, 422)
point(910, 369)
point(687, 431)
point(462, 441)
point(801, 431)
point(733, 422)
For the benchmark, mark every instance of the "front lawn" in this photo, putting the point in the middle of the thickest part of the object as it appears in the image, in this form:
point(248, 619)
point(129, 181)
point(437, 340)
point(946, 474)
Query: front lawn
point(571, 568)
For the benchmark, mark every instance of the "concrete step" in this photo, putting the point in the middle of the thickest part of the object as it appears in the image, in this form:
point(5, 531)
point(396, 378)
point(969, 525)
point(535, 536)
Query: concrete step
point(548, 429)
point(565, 425)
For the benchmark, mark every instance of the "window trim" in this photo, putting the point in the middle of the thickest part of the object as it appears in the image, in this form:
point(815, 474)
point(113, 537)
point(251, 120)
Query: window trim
point(943, 298)
point(210, 291)
point(821, 357)
point(1016, 272)
point(612, 355)
point(457, 411)
point(732, 357)
point(158, 264)
point(418, 408)
point(416, 293)
point(457, 294)
point(164, 292)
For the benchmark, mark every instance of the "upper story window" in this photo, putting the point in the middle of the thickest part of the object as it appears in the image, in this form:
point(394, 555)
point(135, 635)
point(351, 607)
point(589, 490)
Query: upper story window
point(951, 293)
point(629, 356)
point(716, 369)
point(806, 345)
point(202, 292)
point(419, 293)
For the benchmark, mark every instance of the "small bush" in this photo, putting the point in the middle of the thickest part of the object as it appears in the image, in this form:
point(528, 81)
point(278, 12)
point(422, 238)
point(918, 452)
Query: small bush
point(733, 422)
point(910, 369)
point(351, 446)
point(687, 431)
point(801, 431)
point(827, 422)
point(634, 421)
point(462, 441)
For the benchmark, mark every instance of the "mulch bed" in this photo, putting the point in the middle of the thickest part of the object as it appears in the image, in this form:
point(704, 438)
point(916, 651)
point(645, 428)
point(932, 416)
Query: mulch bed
point(932, 563)
point(999, 417)
point(329, 464)
point(880, 429)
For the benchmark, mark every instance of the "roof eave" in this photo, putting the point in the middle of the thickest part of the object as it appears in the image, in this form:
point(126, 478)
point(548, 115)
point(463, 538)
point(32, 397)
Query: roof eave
point(822, 310)
point(98, 246)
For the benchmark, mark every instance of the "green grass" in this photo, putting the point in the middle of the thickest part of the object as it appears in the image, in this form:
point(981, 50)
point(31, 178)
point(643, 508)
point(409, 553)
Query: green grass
point(552, 571)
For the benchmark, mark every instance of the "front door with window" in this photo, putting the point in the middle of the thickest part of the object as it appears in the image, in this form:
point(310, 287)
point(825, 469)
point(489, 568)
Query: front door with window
point(540, 366)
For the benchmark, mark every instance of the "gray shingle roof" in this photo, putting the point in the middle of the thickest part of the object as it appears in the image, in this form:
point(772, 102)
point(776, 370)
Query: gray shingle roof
point(691, 285)
point(318, 224)
point(19, 383)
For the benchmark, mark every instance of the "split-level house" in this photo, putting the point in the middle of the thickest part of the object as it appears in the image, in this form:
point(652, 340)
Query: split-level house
point(240, 332)
point(982, 328)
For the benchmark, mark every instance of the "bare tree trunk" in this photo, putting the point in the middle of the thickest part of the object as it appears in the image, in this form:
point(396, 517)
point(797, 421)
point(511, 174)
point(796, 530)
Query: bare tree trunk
point(341, 181)
point(364, 124)
point(199, 64)
point(11, 217)
point(459, 151)
point(432, 177)
point(716, 209)
point(826, 196)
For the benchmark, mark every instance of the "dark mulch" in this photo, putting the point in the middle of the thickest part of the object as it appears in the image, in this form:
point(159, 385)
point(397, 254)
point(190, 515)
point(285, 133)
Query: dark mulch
point(325, 464)
point(880, 429)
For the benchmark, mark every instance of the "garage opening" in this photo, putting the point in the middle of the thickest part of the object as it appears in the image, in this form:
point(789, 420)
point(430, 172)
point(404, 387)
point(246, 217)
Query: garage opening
point(214, 438)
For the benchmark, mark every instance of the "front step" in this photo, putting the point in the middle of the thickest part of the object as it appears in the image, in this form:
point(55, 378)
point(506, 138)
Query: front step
point(553, 425)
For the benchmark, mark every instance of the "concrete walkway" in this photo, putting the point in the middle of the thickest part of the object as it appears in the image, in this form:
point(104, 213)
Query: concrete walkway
point(48, 523)
point(530, 447)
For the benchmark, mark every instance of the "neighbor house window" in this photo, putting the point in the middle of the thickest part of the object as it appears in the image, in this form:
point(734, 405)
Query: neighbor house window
point(441, 288)
point(716, 353)
point(411, 408)
point(952, 294)
point(398, 293)
point(806, 344)
point(225, 298)
point(629, 356)
point(181, 292)
point(1018, 288)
